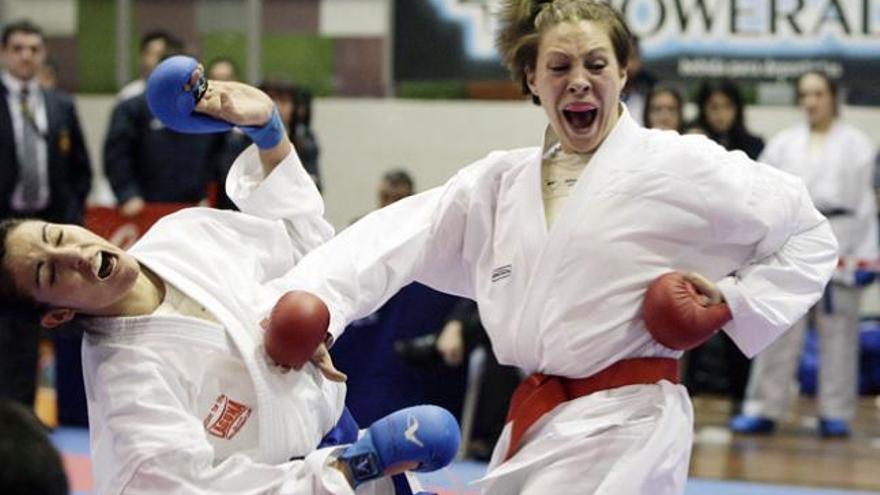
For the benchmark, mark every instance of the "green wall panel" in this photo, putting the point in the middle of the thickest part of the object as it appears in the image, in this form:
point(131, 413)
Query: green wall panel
point(302, 60)
point(439, 89)
point(96, 46)
point(225, 44)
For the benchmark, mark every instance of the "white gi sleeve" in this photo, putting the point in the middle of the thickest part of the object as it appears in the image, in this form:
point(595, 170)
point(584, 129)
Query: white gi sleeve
point(144, 440)
point(794, 249)
point(287, 194)
point(419, 238)
point(181, 472)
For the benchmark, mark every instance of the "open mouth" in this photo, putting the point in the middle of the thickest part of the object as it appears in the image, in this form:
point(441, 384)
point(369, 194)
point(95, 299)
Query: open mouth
point(580, 116)
point(106, 264)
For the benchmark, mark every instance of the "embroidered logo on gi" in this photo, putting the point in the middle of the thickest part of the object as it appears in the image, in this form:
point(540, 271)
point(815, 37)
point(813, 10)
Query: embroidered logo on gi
point(226, 417)
point(501, 272)
point(412, 426)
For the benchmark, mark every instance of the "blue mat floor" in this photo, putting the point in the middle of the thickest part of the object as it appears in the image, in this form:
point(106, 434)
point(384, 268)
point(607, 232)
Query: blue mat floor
point(74, 445)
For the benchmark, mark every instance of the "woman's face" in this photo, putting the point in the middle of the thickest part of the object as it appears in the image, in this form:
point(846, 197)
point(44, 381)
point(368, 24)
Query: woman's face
point(720, 112)
point(67, 266)
point(663, 112)
point(578, 80)
point(816, 99)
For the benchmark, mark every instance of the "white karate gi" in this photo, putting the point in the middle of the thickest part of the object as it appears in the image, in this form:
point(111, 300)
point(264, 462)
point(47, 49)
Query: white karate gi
point(181, 405)
point(839, 177)
point(567, 302)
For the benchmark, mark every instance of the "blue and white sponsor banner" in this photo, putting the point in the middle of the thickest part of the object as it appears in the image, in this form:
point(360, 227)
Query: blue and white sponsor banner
point(684, 40)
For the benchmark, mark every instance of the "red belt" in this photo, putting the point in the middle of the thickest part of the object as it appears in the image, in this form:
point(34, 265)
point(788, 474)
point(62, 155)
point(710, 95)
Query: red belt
point(539, 394)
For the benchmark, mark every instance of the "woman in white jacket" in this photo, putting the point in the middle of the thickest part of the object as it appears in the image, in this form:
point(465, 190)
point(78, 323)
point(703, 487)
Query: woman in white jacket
point(558, 243)
point(836, 160)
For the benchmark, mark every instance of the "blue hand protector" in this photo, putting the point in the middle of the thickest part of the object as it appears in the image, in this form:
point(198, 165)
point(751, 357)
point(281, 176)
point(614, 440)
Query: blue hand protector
point(864, 278)
point(173, 102)
point(427, 435)
point(267, 135)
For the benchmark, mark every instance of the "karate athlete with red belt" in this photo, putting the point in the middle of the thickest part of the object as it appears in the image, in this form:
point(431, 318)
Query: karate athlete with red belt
point(558, 244)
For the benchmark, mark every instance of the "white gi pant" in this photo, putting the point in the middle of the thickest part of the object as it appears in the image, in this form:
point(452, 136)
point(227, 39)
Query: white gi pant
point(630, 440)
point(773, 370)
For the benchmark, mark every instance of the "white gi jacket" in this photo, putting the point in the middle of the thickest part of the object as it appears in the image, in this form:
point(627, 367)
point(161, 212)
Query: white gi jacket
point(840, 181)
point(567, 302)
point(182, 405)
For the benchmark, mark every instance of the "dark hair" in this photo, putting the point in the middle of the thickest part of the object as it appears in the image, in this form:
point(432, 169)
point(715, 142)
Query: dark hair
point(831, 83)
point(10, 295)
point(679, 104)
point(397, 177)
point(23, 26)
point(729, 89)
point(172, 43)
point(29, 463)
point(636, 43)
point(14, 303)
point(522, 22)
point(286, 89)
point(303, 114)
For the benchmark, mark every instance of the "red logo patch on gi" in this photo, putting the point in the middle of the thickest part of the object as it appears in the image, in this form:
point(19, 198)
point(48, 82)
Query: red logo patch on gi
point(226, 417)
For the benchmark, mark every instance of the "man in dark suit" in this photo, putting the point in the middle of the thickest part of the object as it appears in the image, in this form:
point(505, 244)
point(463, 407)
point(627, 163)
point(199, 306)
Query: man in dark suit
point(44, 173)
point(44, 167)
point(147, 163)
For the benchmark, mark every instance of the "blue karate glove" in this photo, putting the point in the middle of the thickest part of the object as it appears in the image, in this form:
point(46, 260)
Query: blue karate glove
point(427, 435)
point(175, 106)
point(863, 278)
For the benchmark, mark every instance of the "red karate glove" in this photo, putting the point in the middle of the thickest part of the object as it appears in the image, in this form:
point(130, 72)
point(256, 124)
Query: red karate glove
point(297, 326)
point(683, 311)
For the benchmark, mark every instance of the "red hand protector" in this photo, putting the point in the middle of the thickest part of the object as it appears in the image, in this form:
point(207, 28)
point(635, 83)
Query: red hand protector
point(675, 316)
point(297, 326)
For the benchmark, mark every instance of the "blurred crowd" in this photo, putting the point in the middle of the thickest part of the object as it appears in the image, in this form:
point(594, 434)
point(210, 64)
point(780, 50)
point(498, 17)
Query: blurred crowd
point(421, 345)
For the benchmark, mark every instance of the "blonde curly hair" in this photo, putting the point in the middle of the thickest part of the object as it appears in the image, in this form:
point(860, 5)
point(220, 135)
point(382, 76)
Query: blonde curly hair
point(523, 21)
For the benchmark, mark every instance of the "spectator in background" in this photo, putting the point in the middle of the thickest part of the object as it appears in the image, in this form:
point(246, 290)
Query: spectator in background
point(395, 185)
point(380, 380)
point(147, 163)
point(721, 117)
point(30, 463)
point(836, 161)
point(664, 109)
point(302, 136)
point(461, 335)
point(223, 69)
point(45, 169)
point(295, 107)
point(639, 82)
point(718, 366)
point(45, 173)
point(230, 144)
point(153, 48)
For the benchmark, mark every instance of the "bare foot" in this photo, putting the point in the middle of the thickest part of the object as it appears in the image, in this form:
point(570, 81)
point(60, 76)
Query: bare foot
point(234, 102)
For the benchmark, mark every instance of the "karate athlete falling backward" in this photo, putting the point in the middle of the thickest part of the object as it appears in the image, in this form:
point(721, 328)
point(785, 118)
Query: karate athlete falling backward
point(558, 245)
point(181, 396)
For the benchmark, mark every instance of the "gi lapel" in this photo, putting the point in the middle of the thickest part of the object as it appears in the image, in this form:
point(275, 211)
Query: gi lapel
point(273, 444)
point(610, 156)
